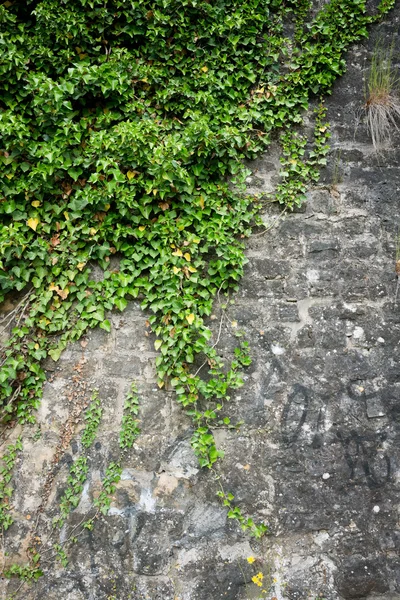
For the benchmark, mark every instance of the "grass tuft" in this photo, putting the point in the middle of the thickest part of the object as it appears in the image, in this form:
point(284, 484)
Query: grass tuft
point(382, 103)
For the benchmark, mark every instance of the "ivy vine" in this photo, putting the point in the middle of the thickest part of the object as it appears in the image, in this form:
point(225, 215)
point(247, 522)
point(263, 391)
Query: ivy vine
point(124, 127)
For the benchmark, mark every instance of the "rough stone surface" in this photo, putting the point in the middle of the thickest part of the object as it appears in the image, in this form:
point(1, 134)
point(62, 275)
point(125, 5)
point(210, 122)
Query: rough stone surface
point(317, 456)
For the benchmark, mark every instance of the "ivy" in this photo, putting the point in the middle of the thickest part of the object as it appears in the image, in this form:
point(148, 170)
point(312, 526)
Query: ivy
point(124, 131)
point(24, 572)
point(79, 469)
point(92, 417)
point(130, 424)
point(246, 523)
point(6, 490)
point(108, 485)
point(301, 167)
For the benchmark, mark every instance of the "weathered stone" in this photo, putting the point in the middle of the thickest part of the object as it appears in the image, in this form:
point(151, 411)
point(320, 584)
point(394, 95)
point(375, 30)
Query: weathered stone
point(324, 249)
point(375, 408)
point(317, 455)
point(359, 578)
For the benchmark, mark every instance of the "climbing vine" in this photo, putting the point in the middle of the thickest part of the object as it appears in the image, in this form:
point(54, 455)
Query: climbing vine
point(8, 459)
point(124, 129)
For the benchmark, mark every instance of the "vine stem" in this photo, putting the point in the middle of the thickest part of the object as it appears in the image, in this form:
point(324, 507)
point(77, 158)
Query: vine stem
point(218, 336)
point(213, 346)
point(14, 310)
point(71, 535)
point(3, 549)
point(218, 478)
point(13, 594)
point(242, 572)
point(269, 227)
point(15, 394)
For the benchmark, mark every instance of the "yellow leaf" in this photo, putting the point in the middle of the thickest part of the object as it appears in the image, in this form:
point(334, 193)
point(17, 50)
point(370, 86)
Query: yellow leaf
point(36, 346)
point(175, 270)
point(234, 323)
point(131, 174)
point(190, 318)
point(53, 287)
point(192, 269)
point(63, 293)
point(66, 215)
point(196, 240)
point(157, 344)
point(187, 256)
point(10, 175)
point(33, 223)
point(160, 384)
point(142, 227)
point(204, 69)
point(155, 191)
point(80, 266)
point(107, 207)
point(92, 231)
point(201, 201)
point(177, 252)
point(36, 203)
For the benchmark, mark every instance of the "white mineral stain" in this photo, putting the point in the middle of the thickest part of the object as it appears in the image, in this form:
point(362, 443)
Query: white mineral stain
point(277, 350)
point(279, 584)
point(146, 501)
point(85, 501)
point(312, 275)
point(358, 333)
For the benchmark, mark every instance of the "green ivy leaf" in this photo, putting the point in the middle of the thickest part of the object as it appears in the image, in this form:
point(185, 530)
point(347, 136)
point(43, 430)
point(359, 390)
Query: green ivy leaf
point(106, 325)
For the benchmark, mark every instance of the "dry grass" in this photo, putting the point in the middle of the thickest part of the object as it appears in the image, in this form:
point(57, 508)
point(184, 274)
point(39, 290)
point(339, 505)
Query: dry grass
point(382, 104)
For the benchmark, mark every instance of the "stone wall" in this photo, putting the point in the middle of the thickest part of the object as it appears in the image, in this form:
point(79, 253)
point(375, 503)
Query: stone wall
point(317, 456)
